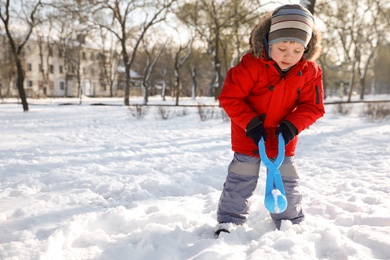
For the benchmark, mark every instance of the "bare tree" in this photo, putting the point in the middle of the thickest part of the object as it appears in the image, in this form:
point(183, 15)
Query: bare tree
point(375, 37)
point(152, 57)
point(359, 27)
point(71, 40)
point(381, 84)
point(180, 58)
point(126, 29)
point(8, 69)
point(165, 75)
point(216, 23)
point(199, 70)
point(110, 63)
point(17, 42)
point(332, 69)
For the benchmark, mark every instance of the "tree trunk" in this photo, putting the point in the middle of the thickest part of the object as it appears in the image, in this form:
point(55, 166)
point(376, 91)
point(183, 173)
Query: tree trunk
point(363, 87)
point(20, 83)
point(66, 84)
point(163, 90)
point(177, 87)
point(194, 83)
point(125, 57)
point(127, 88)
point(217, 66)
point(164, 87)
point(351, 81)
point(145, 88)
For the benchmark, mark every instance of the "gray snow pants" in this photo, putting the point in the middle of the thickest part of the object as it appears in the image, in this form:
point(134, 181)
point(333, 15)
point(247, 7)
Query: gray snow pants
point(241, 181)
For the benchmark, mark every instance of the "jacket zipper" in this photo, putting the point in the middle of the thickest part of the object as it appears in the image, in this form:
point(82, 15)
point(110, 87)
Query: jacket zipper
point(317, 95)
point(281, 72)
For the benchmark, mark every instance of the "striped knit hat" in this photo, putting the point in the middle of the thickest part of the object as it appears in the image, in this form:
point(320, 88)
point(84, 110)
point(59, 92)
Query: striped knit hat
point(291, 23)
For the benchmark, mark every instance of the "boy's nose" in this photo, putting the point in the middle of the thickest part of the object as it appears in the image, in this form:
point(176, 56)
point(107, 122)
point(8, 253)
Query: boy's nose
point(288, 55)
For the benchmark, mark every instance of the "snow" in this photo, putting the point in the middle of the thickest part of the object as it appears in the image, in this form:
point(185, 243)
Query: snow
point(94, 182)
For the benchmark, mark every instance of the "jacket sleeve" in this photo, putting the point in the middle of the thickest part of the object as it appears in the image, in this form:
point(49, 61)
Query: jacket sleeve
point(310, 105)
point(238, 83)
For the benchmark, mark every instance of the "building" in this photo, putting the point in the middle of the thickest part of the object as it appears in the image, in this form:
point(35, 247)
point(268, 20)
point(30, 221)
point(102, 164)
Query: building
point(66, 68)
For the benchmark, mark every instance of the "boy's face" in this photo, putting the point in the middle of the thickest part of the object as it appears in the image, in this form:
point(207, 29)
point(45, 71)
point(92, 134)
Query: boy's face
point(286, 54)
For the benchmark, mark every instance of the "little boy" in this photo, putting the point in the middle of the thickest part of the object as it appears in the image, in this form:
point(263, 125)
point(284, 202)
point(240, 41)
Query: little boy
point(275, 88)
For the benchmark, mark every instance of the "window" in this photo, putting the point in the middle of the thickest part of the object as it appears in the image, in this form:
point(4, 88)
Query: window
point(50, 51)
point(103, 86)
point(92, 72)
point(51, 68)
point(40, 68)
point(29, 67)
point(83, 56)
point(30, 84)
point(71, 69)
point(61, 68)
point(62, 85)
point(92, 57)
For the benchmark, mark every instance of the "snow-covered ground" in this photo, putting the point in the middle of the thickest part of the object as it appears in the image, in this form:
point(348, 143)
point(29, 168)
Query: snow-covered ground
point(94, 182)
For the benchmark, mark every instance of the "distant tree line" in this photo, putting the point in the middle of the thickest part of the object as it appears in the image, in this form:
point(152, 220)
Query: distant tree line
point(190, 45)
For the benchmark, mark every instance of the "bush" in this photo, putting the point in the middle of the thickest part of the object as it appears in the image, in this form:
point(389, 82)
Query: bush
point(138, 111)
point(206, 112)
point(377, 111)
point(344, 109)
point(163, 112)
point(183, 112)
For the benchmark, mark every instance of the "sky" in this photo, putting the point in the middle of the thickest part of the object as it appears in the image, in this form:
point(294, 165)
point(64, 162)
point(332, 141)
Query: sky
point(95, 182)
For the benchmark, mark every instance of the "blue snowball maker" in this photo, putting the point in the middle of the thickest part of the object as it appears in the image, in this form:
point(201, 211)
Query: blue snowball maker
point(275, 197)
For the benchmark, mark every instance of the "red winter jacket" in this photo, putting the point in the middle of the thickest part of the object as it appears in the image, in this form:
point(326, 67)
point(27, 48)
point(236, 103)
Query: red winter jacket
point(255, 87)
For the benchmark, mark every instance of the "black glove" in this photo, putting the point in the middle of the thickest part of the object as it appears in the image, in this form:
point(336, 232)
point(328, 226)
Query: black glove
point(255, 130)
point(288, 131)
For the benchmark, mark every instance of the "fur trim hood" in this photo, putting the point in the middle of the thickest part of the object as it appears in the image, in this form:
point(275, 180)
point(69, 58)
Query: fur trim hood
point(256, 42)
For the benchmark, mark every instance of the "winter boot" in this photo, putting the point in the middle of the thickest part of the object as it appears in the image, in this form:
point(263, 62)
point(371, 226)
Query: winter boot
point(223, 227)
